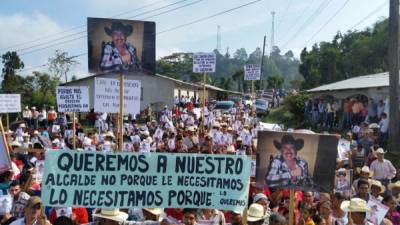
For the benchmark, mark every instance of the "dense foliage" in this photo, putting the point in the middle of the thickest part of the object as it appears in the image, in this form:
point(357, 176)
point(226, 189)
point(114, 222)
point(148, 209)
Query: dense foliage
point(354, 53)
point(291, 113)
point(279, 70)
point(37, 89)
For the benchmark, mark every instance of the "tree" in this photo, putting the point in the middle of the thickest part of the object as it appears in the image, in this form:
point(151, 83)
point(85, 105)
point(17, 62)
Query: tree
point(61, 64)
point(12, 82)
point(275, 81)
point(240, 55)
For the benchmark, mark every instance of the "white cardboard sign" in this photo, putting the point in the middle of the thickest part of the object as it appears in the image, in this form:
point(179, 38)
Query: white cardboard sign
point(204, 62)
point(106, 95)
point(10, 103)
point(252, 72)
point(72, 99)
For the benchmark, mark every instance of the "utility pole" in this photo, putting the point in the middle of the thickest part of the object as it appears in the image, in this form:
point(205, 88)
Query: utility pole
point(262, 66)
point(273, 31)
point(394, 129)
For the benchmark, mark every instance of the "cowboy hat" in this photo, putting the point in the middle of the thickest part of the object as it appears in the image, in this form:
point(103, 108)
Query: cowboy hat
point(378, 184)
point(118, 26)
point(365, 169)
point(288, 139)
point(380, 151)
point(112, 214)
point(190, 128)
point(355, 205)
point(394, 185)
point(255, 212)
point(373, 126)
point(109, 134)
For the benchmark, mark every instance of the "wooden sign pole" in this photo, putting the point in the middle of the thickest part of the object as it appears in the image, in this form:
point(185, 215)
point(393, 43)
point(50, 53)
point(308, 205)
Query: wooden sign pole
point(291, 207)
point(121, 112)
point(204, 101)
point(73, 131)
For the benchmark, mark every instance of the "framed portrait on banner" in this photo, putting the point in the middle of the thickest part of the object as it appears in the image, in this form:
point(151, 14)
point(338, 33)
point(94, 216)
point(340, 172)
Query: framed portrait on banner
point(116, 45)
point(296, 160)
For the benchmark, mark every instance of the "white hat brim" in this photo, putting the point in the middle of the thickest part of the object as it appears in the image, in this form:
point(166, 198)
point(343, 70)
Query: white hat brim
point(253, 219)
point(122, 216)
point(345, 206)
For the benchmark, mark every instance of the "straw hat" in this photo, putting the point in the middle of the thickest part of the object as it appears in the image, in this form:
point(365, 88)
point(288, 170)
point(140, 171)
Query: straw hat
point(394, 185)
point(373, 126)
point(22, 125)
point(190, 128)
point(380, 151)
point(378, 184)
point(365, 169)
point(255, 212)
point(15, 144)
point(355, 205)
point(112, 214)
point(216, 124)
point(109, 134)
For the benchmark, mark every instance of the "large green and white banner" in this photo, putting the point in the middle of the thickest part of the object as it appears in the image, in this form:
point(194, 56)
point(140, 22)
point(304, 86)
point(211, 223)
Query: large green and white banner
point(149, 180)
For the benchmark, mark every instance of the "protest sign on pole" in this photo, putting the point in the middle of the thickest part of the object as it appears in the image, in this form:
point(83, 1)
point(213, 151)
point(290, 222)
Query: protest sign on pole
point(72, 99)
point(107, 92)
point(252, 72)
point(10, 103)
point(148, 180)
point(204, 62)
point(314, 157)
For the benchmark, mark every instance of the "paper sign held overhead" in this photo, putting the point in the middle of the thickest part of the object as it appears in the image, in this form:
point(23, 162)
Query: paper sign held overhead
point(204, 62)
point(10, 103)
point(106, 99)
point(73, 99)
point(252, 72)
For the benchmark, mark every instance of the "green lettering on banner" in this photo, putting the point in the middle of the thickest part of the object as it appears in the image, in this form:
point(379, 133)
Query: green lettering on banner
point(155, 180)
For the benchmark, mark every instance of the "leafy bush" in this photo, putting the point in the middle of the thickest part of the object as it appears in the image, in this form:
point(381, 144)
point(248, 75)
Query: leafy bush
point(291, 113)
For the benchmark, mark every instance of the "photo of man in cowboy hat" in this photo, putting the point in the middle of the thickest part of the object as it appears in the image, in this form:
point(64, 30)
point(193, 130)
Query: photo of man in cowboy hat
point(119, 55)
point(126, 46)
point(288, 169)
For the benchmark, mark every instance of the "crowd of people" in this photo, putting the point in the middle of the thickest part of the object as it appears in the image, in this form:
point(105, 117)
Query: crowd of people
point(181, 130)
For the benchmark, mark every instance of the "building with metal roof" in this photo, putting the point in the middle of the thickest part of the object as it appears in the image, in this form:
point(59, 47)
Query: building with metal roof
point(374, 86)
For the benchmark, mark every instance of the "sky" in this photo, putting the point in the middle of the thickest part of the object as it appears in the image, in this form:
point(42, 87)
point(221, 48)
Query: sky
point(35, 29)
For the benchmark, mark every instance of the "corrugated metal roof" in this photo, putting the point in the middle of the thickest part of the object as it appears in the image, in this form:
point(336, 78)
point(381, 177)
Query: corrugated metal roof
point(367, 81)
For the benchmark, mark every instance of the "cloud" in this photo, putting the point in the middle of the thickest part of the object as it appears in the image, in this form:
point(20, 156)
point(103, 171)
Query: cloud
point(21, 28)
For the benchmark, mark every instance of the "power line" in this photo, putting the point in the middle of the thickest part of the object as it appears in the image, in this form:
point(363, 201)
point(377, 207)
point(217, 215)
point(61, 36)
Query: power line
point(84, 36)
point(82, 32)
point(278, 26)
point(77, 27)
point(377, 9)
point(309, 20)
point(195, 21)
point(327, 22)
point(298, 19)
point(208, 17)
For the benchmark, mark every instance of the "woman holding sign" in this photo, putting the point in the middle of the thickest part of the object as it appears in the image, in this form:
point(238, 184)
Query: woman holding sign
point(287, 169)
